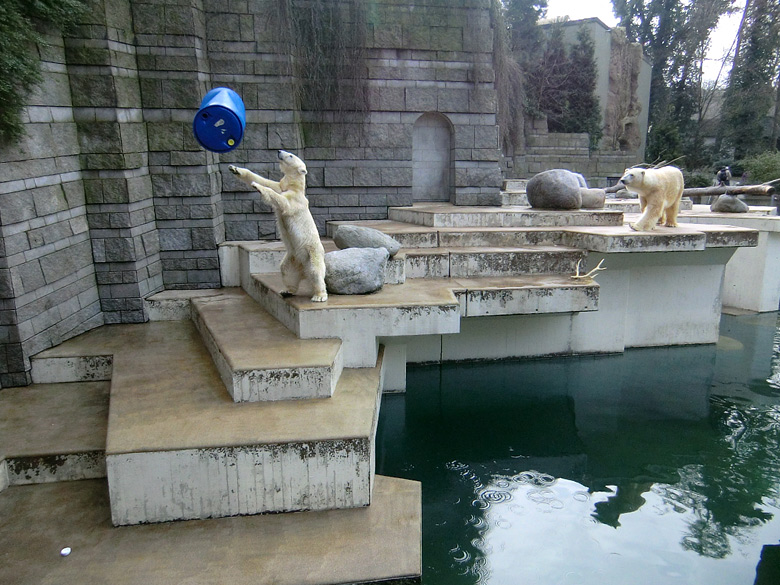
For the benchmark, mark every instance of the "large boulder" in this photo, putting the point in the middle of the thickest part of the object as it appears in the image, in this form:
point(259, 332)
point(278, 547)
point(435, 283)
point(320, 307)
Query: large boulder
point(355, 271)
point(355, 236)
point(729, 204)
point(555, 189)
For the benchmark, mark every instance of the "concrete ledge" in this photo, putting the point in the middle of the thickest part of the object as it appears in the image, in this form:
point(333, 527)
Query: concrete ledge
point(260, 359)
point(416, 307)
point(624, 239)
point(632, 205)
point(542, 294)
point(446, 215)
point(53, 432)
point(380, 543)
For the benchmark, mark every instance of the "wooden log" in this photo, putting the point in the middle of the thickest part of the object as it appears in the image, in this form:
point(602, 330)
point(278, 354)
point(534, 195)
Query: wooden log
point(731, 190)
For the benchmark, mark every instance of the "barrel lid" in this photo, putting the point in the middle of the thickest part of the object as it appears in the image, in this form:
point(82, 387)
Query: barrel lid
point(217, 128)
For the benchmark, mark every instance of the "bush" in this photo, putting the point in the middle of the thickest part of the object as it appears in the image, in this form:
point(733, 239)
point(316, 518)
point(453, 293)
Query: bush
point(762, 168)
point(698, 178)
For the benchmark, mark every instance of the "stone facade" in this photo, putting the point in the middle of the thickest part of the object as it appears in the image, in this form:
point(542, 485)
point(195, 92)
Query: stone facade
point(110, 198)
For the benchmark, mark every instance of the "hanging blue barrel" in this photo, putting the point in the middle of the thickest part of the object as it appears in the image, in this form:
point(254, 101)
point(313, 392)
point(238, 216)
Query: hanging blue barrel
point(220, 122)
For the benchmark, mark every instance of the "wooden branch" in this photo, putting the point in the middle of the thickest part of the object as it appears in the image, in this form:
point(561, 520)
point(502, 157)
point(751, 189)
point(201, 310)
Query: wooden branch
point(730, 190)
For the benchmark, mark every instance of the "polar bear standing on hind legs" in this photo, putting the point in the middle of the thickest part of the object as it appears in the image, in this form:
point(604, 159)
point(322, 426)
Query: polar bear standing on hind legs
point(305, 257)
point(660, 191)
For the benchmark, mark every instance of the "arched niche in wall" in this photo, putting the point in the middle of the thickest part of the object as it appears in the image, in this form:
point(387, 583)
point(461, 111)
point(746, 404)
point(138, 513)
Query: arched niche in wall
point(432, 158)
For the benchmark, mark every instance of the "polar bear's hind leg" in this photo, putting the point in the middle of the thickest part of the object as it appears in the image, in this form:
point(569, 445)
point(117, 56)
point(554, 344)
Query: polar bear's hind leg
point(292, 273)
point(315, 272)
point(671, 214)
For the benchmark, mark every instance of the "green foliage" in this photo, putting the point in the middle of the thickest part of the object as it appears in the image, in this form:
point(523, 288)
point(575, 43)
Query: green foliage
point(547, 83)
point(763, 167)
point(562, 86)
point(515, 40)
point(750, 93)
point(19, 61)
point(583, 113)
point(698, 178)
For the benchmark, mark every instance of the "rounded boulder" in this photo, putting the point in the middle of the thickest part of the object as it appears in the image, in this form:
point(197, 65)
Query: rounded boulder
point(555, 189)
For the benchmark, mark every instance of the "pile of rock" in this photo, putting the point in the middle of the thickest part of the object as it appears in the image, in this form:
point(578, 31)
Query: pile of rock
point(358, 266)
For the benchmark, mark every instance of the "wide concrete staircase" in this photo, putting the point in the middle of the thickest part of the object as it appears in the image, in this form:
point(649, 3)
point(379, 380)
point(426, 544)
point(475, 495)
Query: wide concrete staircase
point(240, 401)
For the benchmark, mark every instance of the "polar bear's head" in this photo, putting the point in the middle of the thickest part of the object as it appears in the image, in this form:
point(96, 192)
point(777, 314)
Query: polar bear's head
point(290, 164)
point(633, 175)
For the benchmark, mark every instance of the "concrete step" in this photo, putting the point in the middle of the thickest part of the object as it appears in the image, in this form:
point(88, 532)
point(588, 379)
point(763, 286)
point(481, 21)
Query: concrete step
point(447, 215)
point(420, 307)
point(472, 262)
point(379, 543)
point(514, 199)
point(260, 359)
point(415, 307)
point(632, 205)
point(53, 432)
point(514, 185)
point(178, 447)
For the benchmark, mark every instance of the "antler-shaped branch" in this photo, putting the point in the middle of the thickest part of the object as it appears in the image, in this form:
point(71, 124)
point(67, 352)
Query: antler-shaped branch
point(589, 274)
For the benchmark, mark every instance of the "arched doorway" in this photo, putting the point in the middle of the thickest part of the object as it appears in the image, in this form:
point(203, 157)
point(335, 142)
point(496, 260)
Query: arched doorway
point(431, 158)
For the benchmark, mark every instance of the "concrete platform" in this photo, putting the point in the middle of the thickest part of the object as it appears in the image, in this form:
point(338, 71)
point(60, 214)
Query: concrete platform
point(448, 215)
point(413, 308)
point(54, 432)
point(752, 279)
point(178, 447)
point(380, 543)
point(260, 359)
point(632, 205)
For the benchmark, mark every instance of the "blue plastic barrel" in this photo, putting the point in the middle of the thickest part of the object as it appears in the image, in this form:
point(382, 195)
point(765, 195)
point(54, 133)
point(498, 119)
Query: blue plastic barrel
point(220, 122)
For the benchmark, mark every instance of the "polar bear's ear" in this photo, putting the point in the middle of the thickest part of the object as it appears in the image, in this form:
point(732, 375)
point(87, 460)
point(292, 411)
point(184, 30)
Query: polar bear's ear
point(642, 172)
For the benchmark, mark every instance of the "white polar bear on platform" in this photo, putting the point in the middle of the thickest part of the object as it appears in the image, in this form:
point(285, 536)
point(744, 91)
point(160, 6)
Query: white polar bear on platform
point(660, 191)
point(305, 257)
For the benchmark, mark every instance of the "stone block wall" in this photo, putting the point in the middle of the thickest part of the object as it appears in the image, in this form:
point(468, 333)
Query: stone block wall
point(48, 287)
point(109, 197)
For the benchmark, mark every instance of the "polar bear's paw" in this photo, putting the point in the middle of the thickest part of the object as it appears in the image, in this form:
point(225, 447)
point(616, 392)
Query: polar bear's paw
point(638, 228)
point(320, 298)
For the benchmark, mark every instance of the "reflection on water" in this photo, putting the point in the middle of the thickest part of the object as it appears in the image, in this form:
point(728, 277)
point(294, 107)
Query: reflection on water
point(658, 466)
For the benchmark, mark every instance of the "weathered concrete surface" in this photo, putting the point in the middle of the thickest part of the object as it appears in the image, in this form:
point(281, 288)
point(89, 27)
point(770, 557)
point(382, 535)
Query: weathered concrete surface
point(378, 543)
point(752, 278)
point(260, 359)
point(178, 447)
point(412, 308)
point(54, 432)
point(444, 215)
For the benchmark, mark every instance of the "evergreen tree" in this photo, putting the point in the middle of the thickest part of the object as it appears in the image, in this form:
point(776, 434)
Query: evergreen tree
point(583, 113)
point(749, 95)
point(548, 82)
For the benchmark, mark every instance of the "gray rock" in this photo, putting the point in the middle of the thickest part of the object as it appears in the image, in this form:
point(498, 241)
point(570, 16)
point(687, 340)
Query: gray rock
point(592, 198)
point(354, 236)
point(580, 179)
point(554, 189)
point(729, 204)
point(355, 271)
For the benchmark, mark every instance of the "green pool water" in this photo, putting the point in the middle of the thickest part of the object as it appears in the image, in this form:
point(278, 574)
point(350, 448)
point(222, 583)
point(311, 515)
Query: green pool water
point(658, 466)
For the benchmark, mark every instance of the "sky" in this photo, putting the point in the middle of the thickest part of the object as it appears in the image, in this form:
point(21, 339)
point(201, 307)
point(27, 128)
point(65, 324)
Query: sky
point(721, 39)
